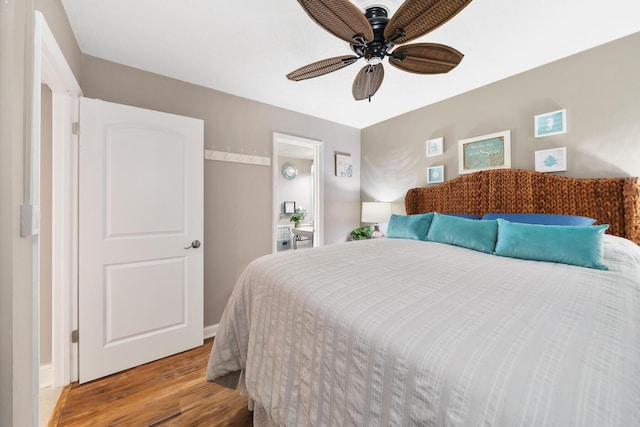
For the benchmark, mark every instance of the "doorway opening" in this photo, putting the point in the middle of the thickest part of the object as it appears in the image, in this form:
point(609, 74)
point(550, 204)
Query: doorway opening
point(297, 193)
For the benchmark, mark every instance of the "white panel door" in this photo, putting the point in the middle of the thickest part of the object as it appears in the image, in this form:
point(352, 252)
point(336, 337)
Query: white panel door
point(141, 207)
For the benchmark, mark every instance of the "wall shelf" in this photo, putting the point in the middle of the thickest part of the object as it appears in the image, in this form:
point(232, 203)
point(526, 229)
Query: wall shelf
point(227, 156)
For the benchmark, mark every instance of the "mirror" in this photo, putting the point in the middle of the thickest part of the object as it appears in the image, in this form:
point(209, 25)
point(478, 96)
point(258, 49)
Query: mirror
point(289, 171)
point(305, 155)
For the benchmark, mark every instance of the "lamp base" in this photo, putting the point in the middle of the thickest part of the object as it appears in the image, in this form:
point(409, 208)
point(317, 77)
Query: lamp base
point(376, 234)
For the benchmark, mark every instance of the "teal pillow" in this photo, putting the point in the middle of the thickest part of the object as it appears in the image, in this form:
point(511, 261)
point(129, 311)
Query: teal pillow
point(539, 218)
point(468, 216)
point(468, 233)
point(409, 226)
point(574, 245)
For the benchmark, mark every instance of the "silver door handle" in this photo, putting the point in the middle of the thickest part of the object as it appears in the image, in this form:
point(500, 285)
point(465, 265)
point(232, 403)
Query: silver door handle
point(195, 245)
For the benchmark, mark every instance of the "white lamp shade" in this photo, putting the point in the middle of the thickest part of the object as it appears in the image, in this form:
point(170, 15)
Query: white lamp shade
point(376, 212)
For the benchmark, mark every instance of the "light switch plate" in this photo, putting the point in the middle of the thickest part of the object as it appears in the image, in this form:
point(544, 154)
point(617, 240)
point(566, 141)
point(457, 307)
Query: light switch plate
point(29, 220)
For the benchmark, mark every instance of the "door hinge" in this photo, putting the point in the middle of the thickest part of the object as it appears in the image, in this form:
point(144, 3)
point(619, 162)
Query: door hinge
point(75, 336)
point(75, 126)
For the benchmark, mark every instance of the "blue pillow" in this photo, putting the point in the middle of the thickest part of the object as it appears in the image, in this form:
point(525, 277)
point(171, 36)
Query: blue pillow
point(540, 218)
point(409, 226)
point(468, 233)
point(468, 216)
point(573, 245)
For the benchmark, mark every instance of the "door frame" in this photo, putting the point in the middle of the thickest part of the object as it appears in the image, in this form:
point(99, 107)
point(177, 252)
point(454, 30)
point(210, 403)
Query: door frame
point(52, 69)
point(318, 185)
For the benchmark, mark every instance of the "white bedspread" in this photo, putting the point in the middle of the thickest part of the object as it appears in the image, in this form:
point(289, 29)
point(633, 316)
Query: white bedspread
point(409, 333)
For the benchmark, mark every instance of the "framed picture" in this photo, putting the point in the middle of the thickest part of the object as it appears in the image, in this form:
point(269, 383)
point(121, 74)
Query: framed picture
point(344, 167)
point(289, 207)
point(435, 174)
point(554, 160)
point(485, 152)
point(435, 147)
point(552, 123)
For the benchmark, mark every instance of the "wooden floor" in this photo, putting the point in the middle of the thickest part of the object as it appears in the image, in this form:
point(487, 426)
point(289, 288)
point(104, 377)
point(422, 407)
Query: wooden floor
point(168, 392)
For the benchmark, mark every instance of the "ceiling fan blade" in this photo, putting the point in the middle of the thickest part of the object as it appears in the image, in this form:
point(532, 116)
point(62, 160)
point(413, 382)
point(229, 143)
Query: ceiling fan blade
point(367, 82)
point(425, 58)
point(418, 17)
point(340, 17)
point(322, 67)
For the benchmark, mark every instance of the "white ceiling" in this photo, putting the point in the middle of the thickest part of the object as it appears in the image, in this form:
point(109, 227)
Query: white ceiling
point(246, 48)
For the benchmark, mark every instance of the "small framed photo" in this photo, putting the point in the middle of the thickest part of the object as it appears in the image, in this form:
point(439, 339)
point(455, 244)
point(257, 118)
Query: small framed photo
point(435, 174)
point(552, 123)
point(435, 147)
point(289, 208)
point(554, 160)
point(485, 152)
point(344, 166)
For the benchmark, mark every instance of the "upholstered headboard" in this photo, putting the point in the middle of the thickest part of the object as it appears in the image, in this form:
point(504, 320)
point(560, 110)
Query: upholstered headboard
point(613, 201)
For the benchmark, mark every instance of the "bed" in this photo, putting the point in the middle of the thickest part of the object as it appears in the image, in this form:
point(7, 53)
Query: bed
point(421, 333)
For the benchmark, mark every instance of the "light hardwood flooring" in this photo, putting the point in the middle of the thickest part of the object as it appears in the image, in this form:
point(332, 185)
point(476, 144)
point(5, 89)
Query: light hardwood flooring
point(169, 392)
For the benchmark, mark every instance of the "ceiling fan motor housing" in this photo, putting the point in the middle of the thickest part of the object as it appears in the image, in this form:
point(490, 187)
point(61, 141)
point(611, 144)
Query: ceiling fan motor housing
point(375, 51)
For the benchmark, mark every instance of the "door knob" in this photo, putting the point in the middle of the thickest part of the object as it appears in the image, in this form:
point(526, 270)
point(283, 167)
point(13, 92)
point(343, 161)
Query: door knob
point(195, 245)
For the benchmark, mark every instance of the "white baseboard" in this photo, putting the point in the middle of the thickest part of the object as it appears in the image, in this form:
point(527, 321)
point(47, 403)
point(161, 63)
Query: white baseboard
point(46, 375)
point(210, 331)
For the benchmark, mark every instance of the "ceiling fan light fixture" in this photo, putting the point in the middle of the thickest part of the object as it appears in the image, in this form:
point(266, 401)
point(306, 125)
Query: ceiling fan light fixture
point(375, 52)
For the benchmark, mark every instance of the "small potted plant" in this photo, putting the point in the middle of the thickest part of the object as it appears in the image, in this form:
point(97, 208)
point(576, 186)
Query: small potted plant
point(297, 217)
point(361, 233)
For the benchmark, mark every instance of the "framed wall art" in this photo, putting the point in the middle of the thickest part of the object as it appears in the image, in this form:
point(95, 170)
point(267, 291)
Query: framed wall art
point(435, 174)
point(435, 147)
point(553, 160)
point(485, 152)
point(552, 123)
point(344, 166)
point(289, 208)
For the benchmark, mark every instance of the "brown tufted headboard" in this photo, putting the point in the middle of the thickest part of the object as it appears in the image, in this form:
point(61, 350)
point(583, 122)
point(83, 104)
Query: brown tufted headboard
point(613, 201)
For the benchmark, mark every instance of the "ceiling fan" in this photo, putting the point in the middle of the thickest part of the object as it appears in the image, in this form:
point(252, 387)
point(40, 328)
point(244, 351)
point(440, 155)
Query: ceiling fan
point(373, 35)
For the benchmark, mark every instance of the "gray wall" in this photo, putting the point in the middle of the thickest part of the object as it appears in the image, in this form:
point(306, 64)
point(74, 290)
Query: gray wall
point(18, 345)
point(238, 197)
point(599, 88)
